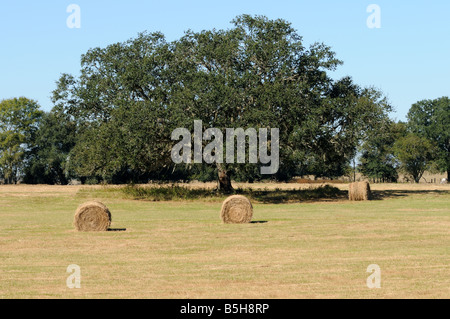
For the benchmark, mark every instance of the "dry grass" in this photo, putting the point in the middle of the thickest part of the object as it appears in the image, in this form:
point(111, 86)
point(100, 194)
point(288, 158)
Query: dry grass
point(182, 250)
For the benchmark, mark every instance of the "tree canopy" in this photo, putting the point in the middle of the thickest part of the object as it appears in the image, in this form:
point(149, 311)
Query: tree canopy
point(130, 96)
point(415, 154)
point(377, 158)
point(430, 119)
point(19, 119)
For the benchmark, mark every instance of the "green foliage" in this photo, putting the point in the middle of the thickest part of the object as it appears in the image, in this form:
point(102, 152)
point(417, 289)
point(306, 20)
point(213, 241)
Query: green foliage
point(415, 154)
point(49, 157)
point(349, 116)
point(122, 109)
point(377, 158)
point(201, 173)
point(431, 119)
point(19, 118)
point(130, 96)
point(170, 193)
point(259, 74)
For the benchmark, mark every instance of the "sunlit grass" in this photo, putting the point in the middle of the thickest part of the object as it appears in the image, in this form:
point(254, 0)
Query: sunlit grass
point(180, 249)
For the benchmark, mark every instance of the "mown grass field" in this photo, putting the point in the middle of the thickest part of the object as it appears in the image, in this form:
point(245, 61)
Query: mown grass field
point(180, 249)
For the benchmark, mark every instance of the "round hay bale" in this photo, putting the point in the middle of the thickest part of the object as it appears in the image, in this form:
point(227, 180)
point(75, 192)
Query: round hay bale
point(92, 216)
point(359, 191)
point(236, 209)
point(350, 191)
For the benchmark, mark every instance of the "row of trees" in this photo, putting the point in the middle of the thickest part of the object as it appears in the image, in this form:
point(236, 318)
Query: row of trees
point(420, 144)
point(113, 123)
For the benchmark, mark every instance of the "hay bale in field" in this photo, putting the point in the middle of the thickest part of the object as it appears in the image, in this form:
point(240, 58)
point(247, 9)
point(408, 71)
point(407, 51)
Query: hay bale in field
point(236, 209)
point(359, 191)
point(92, 216)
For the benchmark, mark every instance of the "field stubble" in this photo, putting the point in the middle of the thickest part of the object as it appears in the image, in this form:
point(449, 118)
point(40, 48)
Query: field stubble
point(181, 249)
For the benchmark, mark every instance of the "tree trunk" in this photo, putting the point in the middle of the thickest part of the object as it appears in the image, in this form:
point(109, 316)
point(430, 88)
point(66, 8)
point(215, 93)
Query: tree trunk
point(354, 169)
point(224, 180)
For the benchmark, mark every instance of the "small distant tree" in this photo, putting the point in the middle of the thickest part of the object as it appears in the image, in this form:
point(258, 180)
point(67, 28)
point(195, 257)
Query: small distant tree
point(377, 158)
point(414, 154)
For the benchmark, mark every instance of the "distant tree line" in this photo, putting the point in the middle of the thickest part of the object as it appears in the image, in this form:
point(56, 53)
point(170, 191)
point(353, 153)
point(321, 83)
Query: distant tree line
point(420, 144)
point(113, 123)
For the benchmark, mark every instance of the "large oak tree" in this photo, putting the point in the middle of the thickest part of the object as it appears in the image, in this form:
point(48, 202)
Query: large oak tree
point(258, 74)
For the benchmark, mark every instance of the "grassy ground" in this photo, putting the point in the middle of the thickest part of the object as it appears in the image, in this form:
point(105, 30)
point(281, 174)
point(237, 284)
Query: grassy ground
point(181, 250)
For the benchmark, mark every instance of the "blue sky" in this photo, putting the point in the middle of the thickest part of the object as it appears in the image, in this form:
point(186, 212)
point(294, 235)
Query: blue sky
point(408, 58)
